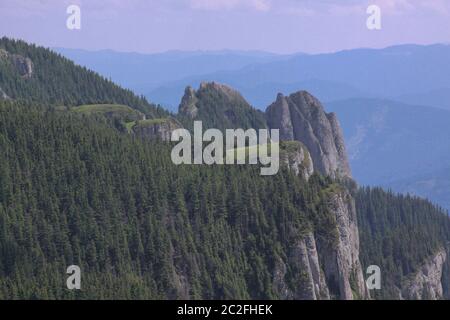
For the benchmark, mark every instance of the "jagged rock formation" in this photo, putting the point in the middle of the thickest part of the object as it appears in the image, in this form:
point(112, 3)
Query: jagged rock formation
point(309, 244)
point(3, 95)
point(328, 271)
point(311, 139)
point(303, 256)
point(219, 106)
point(296, 157)
point(301, 117)
point(156, 128)
point(426, 283)
point(23, 65)
point(341, 262)
point(188, 103)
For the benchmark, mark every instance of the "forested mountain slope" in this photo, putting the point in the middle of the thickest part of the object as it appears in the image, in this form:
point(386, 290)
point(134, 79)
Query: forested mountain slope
point(74, 190)
point(37, 74)
point(77, 187)
point(404, 235)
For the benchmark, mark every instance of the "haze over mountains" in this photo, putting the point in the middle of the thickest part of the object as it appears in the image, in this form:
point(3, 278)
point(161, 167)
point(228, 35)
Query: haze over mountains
point(146, 72)
point(391, 142)
point(397, 72)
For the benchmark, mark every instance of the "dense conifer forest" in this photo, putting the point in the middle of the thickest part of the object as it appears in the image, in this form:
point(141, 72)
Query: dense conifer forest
point(58, 81)
point(78, 189)
point(398, 233)
point(74, 190)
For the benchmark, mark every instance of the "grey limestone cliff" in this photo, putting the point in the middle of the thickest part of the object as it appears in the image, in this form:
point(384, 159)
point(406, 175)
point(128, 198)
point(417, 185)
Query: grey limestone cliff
point(324, 270)
point(156, 128)
point(301, 117)
point(341, 261)
point(23, 65)
point(296, 157)
point(310, 281)
point(426, 283)
point(3, 95)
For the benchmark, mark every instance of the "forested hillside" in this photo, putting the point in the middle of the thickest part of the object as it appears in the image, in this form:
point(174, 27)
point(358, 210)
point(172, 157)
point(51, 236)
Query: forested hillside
point(78, 186)
point(76, 191)
point(399, 233)
point(37, 74)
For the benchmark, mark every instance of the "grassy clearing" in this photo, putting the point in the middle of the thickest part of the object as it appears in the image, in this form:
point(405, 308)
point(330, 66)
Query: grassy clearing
point(115, 109)
point(151, 122)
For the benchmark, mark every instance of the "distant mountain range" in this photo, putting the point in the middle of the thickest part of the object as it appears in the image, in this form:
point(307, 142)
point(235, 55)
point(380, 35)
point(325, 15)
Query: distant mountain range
point(145, 72)
point(400, 72)
point(397, 146)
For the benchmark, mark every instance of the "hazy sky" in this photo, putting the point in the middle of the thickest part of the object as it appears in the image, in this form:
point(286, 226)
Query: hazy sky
point(281, 26)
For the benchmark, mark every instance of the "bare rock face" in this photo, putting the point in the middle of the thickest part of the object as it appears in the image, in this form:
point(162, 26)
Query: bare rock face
point(3, 95)
point(188, 103)
point(279, 117)
point(342, 267)
point(296, 157)
point(23, 65)
point(301, 117)
point(338, 274)
point(311, 284)
point(4, 55)
point(160, 129)
point(426, 284)
point(316, 287)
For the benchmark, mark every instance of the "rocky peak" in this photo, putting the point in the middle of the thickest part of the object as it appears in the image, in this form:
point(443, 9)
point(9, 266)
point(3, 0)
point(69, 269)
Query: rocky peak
point(187, 105)
point(301, 117)
point(229, 92)
point(220, 106)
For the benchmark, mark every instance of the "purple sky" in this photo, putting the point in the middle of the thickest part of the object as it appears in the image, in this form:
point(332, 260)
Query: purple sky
point(281, 26)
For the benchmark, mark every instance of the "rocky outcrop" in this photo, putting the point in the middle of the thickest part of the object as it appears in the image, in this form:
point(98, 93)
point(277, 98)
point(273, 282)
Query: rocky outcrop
point(3, 95)
point(310, 282)
point(189, 107)
point(3, 54)
point(188, 103)
point(23, 65)
point(342, 266)
point(301, 117)
point(325, 270)
point(156, 128)
point(296, 157)
point(426, 283)
point(219, 106)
